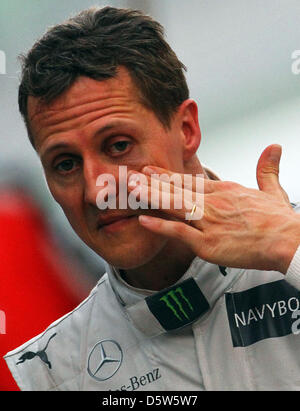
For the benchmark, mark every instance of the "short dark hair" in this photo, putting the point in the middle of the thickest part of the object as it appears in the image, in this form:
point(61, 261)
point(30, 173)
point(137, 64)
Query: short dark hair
point(93, 44)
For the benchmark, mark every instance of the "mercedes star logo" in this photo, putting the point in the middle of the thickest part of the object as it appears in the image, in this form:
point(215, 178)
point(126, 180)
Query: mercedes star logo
point(104, 360)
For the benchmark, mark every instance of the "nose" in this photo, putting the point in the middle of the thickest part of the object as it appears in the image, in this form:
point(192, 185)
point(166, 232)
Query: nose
point(95, 175)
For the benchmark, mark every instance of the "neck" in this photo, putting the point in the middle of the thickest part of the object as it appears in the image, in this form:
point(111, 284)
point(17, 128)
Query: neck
point(164, 270)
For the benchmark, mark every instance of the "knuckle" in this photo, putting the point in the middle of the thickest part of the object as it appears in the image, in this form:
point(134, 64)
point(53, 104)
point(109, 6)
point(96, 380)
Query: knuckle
point(229, 185)
point(268, 169)
point(180, 229)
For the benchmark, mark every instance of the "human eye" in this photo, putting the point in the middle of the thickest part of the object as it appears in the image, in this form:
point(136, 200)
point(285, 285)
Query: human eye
point(118, 146)
point(66, 165)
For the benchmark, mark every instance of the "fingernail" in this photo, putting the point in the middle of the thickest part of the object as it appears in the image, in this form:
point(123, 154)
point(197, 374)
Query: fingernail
point(133, 180)
point(144, 219)
point(275, 153)
point(149, 170)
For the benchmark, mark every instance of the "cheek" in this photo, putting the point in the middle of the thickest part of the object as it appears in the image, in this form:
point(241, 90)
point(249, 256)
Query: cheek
point(70, 202)
point(168, 153)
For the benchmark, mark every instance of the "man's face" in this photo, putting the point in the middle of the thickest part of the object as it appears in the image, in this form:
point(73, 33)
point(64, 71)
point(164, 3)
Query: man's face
point(93, 128)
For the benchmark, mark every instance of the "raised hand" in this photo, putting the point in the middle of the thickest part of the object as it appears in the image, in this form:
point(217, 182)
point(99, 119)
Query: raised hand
point(239, 226)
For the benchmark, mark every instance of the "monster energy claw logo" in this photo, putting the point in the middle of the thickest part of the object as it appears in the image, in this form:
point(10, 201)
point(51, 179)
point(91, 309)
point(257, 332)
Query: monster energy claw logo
point(171, 296)
point(179, 305)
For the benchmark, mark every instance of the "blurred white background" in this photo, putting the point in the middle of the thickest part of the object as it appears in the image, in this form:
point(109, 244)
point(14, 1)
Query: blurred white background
point(239, 57)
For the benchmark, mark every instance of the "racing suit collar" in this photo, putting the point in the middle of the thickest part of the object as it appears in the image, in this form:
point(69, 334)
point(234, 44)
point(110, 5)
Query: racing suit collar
point(186, 302)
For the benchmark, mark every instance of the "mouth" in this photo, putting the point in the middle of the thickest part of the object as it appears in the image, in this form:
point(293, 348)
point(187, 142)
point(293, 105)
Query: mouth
point(115, 224)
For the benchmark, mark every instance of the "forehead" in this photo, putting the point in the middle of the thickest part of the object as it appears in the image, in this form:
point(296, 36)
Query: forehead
point(84, 96)
point(85, 86)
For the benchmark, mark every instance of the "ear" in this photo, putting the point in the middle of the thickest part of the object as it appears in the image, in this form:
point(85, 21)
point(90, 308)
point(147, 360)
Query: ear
point(187, 115)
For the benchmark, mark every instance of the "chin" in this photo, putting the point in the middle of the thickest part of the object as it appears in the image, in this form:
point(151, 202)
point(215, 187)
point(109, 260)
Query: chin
point(134, 254)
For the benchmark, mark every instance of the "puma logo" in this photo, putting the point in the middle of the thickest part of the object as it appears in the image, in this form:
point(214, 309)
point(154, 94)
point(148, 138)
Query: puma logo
point(42, 354)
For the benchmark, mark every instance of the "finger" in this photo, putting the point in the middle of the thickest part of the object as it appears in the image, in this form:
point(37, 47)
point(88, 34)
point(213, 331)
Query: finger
point(178, 203)
point(197, 183)
point(267, 172)
point(155, 180)
point(165, 184)
point(173, 229)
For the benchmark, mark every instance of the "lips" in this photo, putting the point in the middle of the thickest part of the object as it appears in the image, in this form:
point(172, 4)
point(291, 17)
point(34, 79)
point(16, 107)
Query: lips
point(113, 219)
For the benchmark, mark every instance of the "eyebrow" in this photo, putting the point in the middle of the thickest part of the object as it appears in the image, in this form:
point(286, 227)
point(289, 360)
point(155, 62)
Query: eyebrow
point(66, 145)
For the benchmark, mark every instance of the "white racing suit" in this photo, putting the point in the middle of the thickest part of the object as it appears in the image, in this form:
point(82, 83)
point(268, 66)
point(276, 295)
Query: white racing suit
point(217, 328)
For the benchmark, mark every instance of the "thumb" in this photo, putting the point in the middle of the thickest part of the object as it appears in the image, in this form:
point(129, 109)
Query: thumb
point(267, 172)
